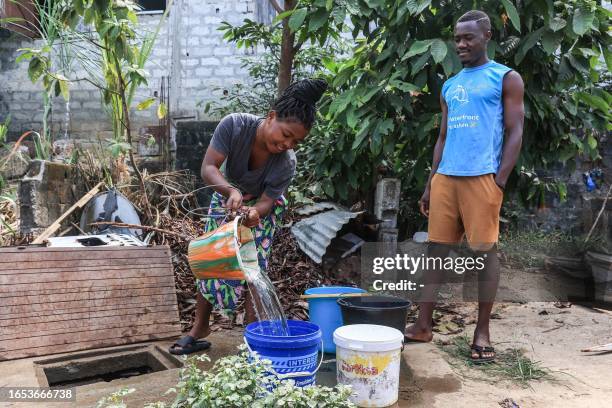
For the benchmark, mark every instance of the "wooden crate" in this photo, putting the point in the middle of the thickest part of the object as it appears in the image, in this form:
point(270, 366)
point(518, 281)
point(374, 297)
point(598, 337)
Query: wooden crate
point(54, 300)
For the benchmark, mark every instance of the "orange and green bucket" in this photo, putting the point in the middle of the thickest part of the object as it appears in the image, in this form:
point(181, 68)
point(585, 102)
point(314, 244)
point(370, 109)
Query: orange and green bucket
point(224, 253)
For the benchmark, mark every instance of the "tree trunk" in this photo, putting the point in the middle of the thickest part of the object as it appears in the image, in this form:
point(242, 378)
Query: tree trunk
point(287, 52)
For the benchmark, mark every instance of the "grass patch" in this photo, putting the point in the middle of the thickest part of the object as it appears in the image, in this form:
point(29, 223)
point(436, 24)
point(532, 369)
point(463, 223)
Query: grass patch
point(530, 248)
point(510, 364)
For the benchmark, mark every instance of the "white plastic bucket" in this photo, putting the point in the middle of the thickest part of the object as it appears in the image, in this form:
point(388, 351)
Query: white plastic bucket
point(368, 359)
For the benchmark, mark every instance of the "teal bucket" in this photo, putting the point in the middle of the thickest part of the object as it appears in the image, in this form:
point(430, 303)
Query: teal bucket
point(325, 312)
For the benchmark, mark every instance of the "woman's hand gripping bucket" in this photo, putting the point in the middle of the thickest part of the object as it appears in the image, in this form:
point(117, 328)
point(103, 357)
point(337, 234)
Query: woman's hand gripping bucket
point(224, 253)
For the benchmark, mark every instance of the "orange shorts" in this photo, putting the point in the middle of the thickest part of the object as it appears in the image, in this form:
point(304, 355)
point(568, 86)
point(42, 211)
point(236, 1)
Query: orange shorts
point(464, 205)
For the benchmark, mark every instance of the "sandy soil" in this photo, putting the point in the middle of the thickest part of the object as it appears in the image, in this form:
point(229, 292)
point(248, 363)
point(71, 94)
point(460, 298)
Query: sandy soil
point(550, 335)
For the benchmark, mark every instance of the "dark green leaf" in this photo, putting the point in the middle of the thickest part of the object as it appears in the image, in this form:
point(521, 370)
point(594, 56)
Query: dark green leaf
point(317, 20)
point(491, 48)
point(595, 102)
point(557, 24)
point(513, 14)
point(529, 42)
point(438, 50)
point(297, 19)
point(420, 63)
point(418, 47)
point(361, 135)
point(423, 4)
point(550, 42)
point(582, 21)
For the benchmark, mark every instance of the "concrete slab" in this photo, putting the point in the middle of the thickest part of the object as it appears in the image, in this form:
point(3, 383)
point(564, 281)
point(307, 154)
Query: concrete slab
point(149, 388)
point(425, 376)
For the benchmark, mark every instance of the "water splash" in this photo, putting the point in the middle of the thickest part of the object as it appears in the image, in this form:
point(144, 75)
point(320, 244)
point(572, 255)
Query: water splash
point(265, 301)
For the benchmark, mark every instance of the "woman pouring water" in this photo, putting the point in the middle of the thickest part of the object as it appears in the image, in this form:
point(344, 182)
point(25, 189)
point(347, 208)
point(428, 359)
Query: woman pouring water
point(259, 164)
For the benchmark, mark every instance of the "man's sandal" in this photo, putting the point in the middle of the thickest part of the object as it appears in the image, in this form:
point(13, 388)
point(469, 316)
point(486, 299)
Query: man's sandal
point(188, 345)
point(480, 350)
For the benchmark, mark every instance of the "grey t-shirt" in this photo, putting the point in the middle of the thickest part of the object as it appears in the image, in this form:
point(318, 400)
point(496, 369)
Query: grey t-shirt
point(234, 137)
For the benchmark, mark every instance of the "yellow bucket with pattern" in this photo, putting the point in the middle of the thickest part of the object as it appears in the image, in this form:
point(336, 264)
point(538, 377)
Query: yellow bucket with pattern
point(224, 253)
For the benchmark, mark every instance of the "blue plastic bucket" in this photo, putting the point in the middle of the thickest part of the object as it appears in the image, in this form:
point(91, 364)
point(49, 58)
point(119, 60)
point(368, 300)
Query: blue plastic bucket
point(294, 356)
point(325, 312)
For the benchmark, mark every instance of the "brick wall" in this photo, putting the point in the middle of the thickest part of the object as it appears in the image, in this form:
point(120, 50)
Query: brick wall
point(189, 50)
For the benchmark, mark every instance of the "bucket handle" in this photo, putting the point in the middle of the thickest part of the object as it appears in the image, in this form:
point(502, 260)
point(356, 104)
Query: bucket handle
point(291, 375)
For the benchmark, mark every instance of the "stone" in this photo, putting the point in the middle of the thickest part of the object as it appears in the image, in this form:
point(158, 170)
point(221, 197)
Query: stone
point(18, 163)
point(386, 202)
point(45, 192)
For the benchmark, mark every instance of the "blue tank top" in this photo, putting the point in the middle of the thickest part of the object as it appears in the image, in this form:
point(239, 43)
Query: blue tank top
point(475, 121)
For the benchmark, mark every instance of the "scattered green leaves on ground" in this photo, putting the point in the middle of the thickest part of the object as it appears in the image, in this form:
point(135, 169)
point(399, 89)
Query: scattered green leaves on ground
point(510, 364)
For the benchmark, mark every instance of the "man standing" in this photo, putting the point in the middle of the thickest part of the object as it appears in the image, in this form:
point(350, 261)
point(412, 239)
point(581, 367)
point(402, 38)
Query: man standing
point(478, 146)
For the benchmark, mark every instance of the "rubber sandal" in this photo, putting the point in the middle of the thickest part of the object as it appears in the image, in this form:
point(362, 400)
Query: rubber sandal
point(480, 350)
point(188, 345)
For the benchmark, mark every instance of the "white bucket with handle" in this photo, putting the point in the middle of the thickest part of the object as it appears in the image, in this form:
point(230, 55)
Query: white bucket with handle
point(368, 359)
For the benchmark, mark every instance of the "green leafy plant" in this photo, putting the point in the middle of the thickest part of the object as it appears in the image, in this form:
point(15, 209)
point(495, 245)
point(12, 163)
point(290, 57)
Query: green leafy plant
point(112, 54)
point(382, 113)
point(50, 63)
point(115, 400)
point(239, 381)
point(257, 96)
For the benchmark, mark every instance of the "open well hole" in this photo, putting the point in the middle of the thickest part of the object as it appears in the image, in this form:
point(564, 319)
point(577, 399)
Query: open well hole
point(89, 368)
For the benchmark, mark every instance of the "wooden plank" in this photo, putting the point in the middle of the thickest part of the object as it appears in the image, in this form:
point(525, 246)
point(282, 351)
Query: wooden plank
point(68, 347)
point(38, 319)
point(82, 312)
point(77, 286)
point(62, 250)
point(84, 261)
point(99, 323)
point(96, 336)
point(66, 299)
point(12, 261)
point(95, 269)
point(80, 276)
point(70, 305)
point(87, 296)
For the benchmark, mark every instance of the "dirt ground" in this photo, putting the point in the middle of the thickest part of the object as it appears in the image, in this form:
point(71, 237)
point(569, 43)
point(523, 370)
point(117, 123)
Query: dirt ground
point(551, 336)
point(429, 376)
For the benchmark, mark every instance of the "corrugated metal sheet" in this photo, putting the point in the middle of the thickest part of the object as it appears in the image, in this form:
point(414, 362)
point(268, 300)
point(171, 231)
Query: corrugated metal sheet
point(311, 209)
point(314, 234)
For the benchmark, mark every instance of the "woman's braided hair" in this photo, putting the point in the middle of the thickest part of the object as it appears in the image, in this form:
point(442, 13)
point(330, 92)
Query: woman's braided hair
point(298, 101)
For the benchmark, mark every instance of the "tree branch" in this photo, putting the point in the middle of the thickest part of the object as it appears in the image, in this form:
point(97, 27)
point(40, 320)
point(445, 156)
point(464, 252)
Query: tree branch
point(276, 6)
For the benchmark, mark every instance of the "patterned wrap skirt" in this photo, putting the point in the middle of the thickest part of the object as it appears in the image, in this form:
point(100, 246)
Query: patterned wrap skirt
point(224, 294)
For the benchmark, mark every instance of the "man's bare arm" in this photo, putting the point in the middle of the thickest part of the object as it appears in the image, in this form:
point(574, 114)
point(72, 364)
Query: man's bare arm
point(437, 156)
point(514, 117)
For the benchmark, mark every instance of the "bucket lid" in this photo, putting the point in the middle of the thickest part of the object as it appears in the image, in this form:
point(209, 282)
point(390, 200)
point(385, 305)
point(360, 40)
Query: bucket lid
point(368, 337)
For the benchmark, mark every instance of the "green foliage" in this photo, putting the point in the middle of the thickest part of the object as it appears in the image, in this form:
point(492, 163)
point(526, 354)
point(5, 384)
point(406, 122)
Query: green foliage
point(115, 400)
point(258, 95)
point(239, 381)
point(112, 54)
point(383, 110)
point(4, 130)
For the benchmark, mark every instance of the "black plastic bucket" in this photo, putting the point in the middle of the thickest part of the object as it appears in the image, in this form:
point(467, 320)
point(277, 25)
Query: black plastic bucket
point(382, 310)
